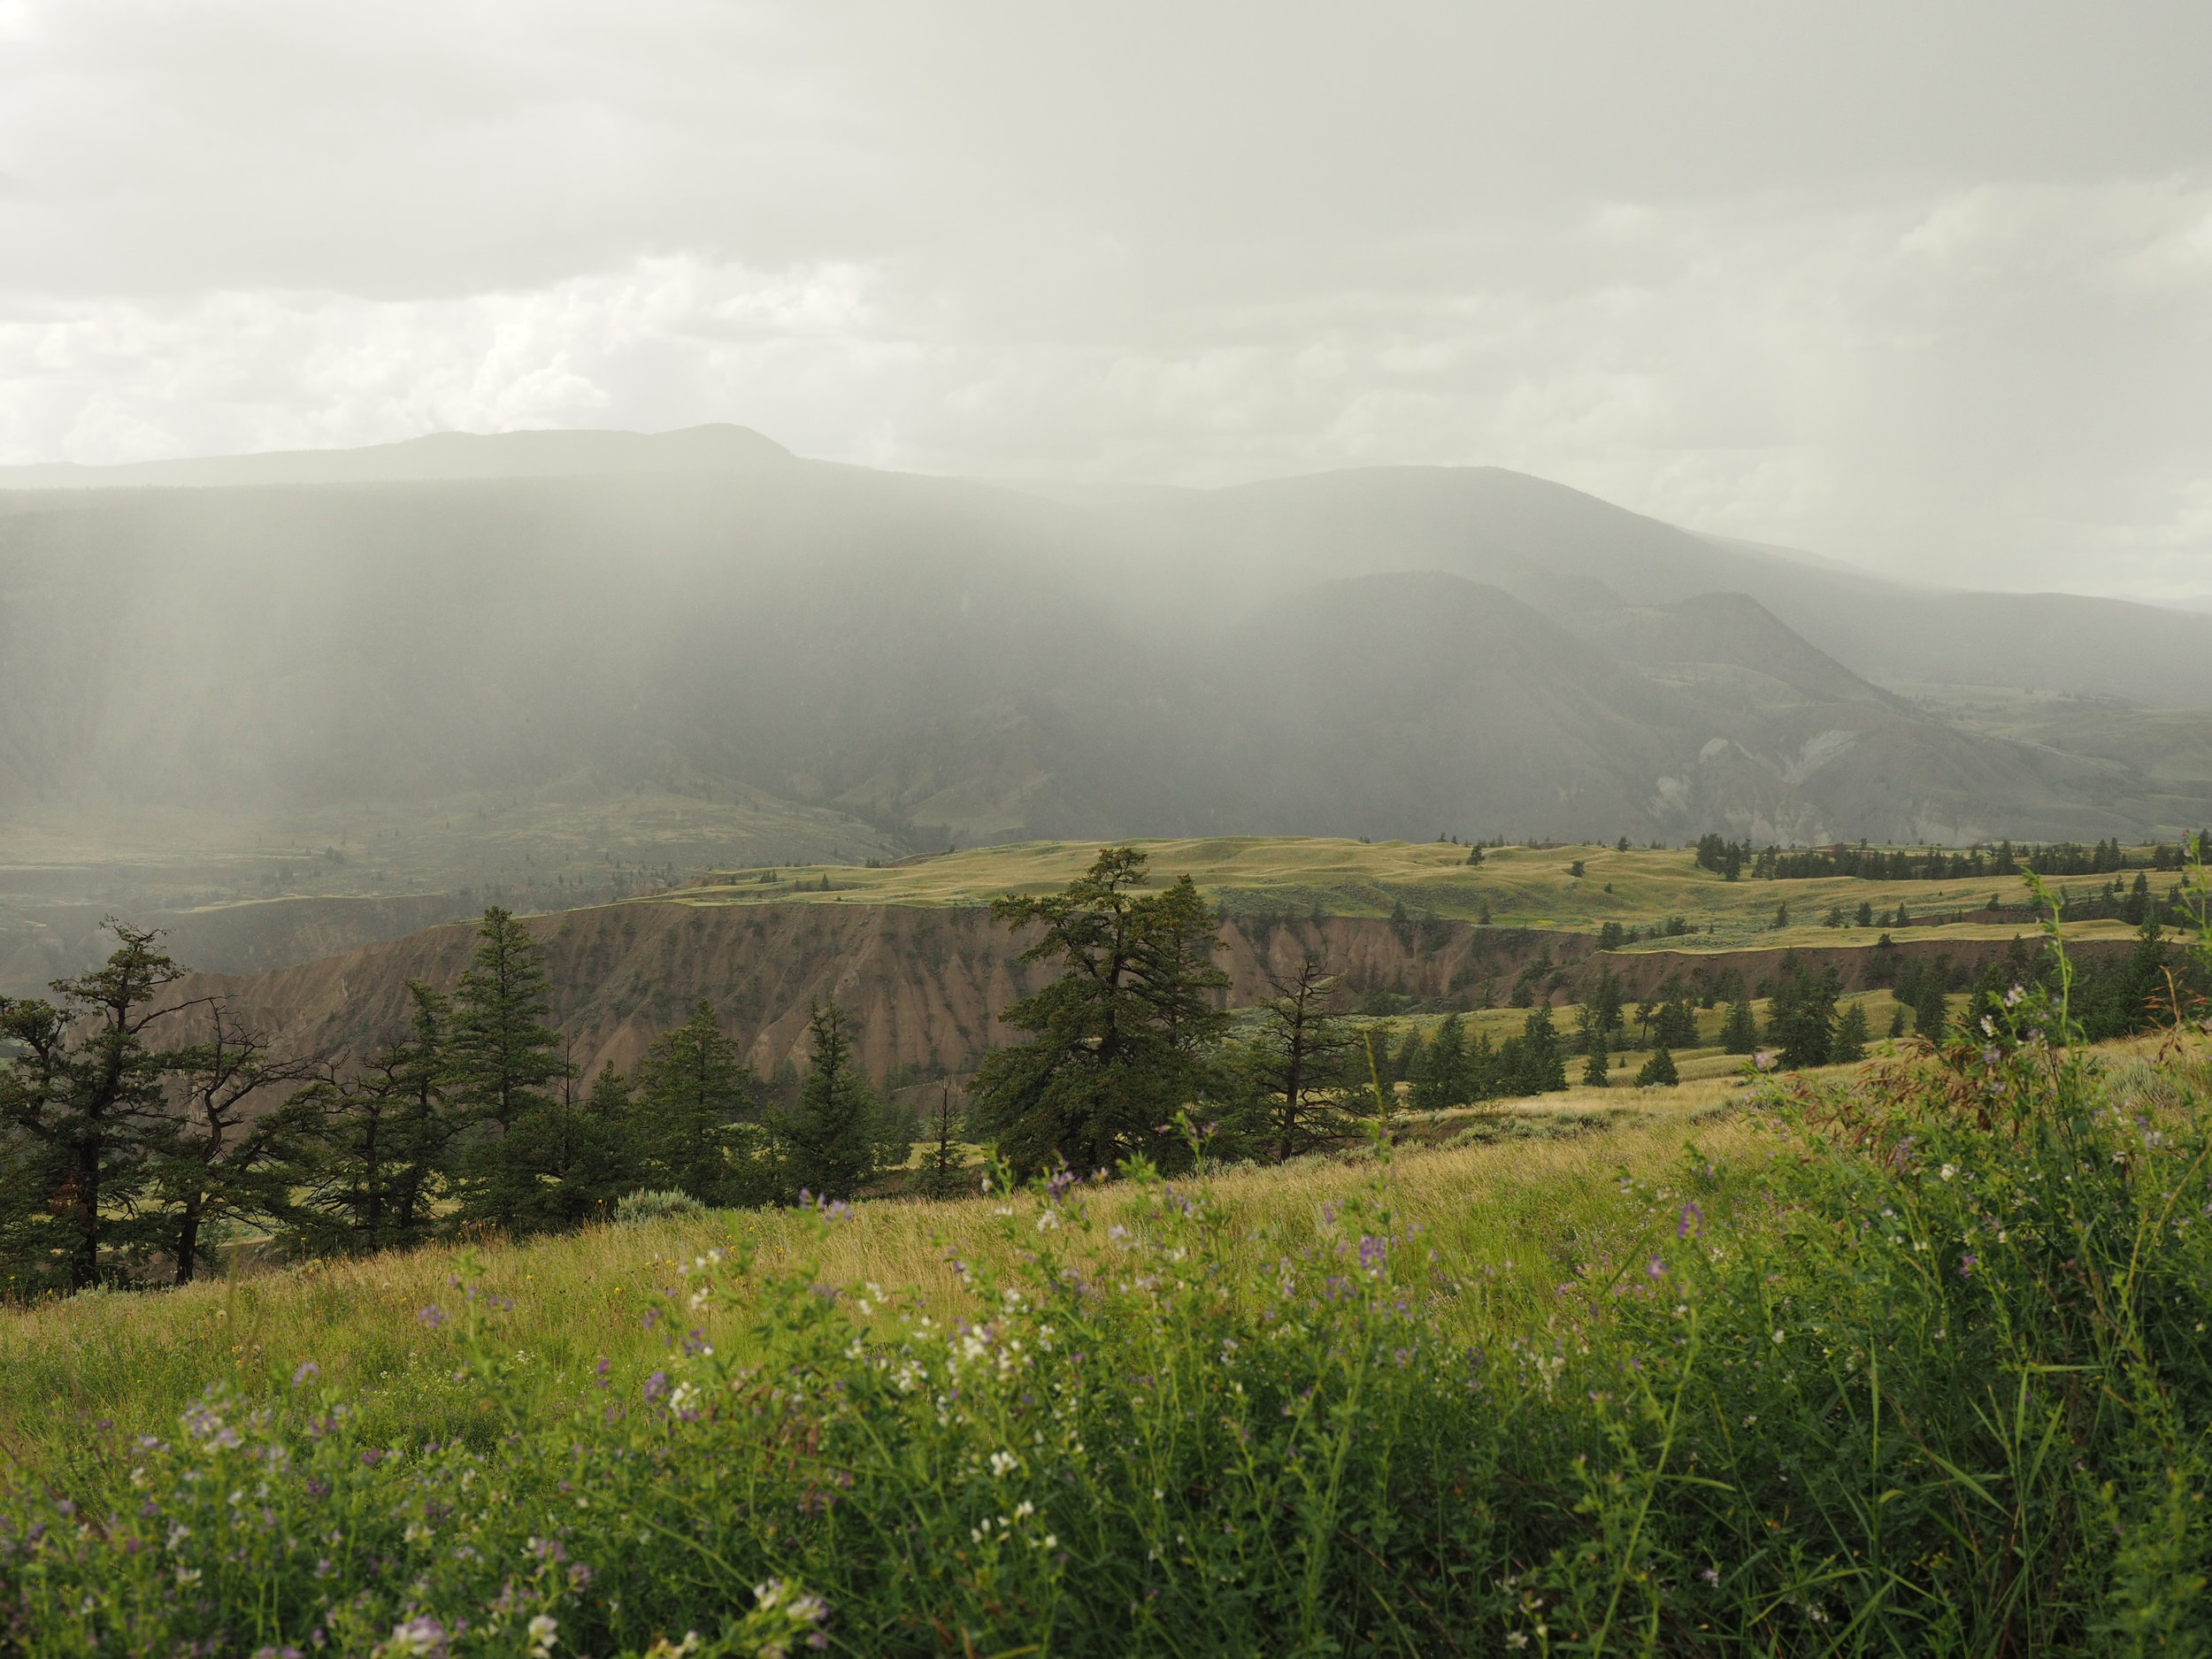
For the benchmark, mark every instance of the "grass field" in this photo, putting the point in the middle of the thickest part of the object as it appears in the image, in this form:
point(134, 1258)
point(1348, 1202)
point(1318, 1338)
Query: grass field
point(1520, 887)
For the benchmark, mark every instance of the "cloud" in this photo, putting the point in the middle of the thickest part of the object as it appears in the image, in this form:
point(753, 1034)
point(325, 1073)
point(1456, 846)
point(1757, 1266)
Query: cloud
point(1925, 289)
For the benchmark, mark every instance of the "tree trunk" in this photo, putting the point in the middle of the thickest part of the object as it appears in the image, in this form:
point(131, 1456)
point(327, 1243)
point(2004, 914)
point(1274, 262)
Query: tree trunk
point(189, 1243)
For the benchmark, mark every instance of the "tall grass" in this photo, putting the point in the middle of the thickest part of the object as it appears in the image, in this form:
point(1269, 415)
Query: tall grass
point(1922, 1368)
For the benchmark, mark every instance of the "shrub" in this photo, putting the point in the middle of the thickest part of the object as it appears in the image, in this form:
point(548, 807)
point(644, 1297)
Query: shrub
point(635, 1210)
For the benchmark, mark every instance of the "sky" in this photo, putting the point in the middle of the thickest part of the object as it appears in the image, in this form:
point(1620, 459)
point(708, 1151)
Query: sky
point(1926, 288)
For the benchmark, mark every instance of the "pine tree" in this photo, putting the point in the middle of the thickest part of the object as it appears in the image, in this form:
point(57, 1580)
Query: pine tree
point(1658, 1071)
point(1542, 1066)
point(943, 1173)
point(1738, 1032)
point(1897, 1020)
point(1849, 1045)
point(829, 1138)
point(369, 1147)
point(1928, 1007)
point(1303, 1060)
point(1865, 917)
point(84, 1093)
point(1599, 1063)
point(501, 1053)
point(693, 1092)
point(1439, 1082)
point(1120, 1040)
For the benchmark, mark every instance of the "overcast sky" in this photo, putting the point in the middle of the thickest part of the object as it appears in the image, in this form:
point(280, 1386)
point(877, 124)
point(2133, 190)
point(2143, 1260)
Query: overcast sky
point(1924, 287)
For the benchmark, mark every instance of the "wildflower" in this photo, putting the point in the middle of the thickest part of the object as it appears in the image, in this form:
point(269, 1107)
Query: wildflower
point(1692, 1222)
point(1947, 1171)
point(1657, 1269)
point(1765, 1060)
point(542, 1633)
point(422, 1638)
point(1711, 1575)
point(1778, 1339)
point(657, 1385)
point(1516, 1639)
point(306, 1373)
point(433, 1316)
point(1003, 1463)
point(1966, 1263)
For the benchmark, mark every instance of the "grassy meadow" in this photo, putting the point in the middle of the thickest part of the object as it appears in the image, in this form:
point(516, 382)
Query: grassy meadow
point(1517, 887)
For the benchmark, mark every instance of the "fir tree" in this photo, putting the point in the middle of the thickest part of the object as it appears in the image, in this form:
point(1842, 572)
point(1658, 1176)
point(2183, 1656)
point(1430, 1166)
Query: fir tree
point(84, 1092)
point(830, 1137)
point(1738, 1032)
point(693, 1093)
point(1302, 1061)
point(1599, 1063)
point(1542, 1066)
point(1658, 1071)
point(369, 1147)
point(1849, 1045)
point(944, 1169)
point(1897, 1021)
point(1928, 1007)
point(501, 1053)
point(1439, 1082)
point(1118, 1041)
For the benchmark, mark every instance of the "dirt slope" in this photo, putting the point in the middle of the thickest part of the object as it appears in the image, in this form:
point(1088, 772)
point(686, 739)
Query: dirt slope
point(925, 985)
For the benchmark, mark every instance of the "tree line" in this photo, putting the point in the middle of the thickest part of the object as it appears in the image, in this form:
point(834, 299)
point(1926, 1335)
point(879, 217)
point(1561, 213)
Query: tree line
point(124, 1152)
point(1734, 860)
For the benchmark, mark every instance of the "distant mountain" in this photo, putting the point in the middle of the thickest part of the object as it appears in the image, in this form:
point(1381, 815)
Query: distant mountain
point(441, 455)
point(1391, 653)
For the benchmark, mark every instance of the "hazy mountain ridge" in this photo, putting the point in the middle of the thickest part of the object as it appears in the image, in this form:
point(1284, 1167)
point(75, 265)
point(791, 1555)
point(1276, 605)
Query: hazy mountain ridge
point(1389, 652)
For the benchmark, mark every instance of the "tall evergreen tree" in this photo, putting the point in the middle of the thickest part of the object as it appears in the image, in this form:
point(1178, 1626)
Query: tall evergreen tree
point(1659, 1071)
point(1930, 1009)
point(1802, 1017)
point(1595, 1068)
point(1441, 1081)
point(370, 1145)
point(1849, 1047)
point(694, 1092)
point(829, 1138)
point(1120, 1038)
point(1740, 1032)
point(1542, 1064)
point(1303, 1060)
point(501, 1054)
point(84, 1092)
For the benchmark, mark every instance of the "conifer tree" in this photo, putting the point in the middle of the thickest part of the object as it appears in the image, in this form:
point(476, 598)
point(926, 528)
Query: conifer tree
point(1118, 1042)
point(692, 1094)
point(1659, 1070)
point(369, 1147)
point(501, 1054)
point(829, 1138)
point(1594, 1070)
point(1542, 1065)
point(1303, 1060)
point(216, 1158)
point(1439, 1081)
point(1738, 1032)
point(943, 1167)
point(1930, 1009)
point(83, 1091)
point(1849, 1045)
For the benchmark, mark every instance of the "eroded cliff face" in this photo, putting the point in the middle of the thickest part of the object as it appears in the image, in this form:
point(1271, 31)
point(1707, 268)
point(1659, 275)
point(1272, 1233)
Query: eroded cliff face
point(926, 987)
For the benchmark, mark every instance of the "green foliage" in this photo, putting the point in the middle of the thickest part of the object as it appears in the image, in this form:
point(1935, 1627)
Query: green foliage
point(1120, 1039)
point(1304, 1064)
point(647, 1205)
point(1848, 1046)
point(83, 1100)
point(1659, 1070)
point(1801, 1020)
point(691, 1103)
point(500, 1055)
point(369, 1147)
point(1930, 1382)
point(1740, 1032)
point(831, 1139)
